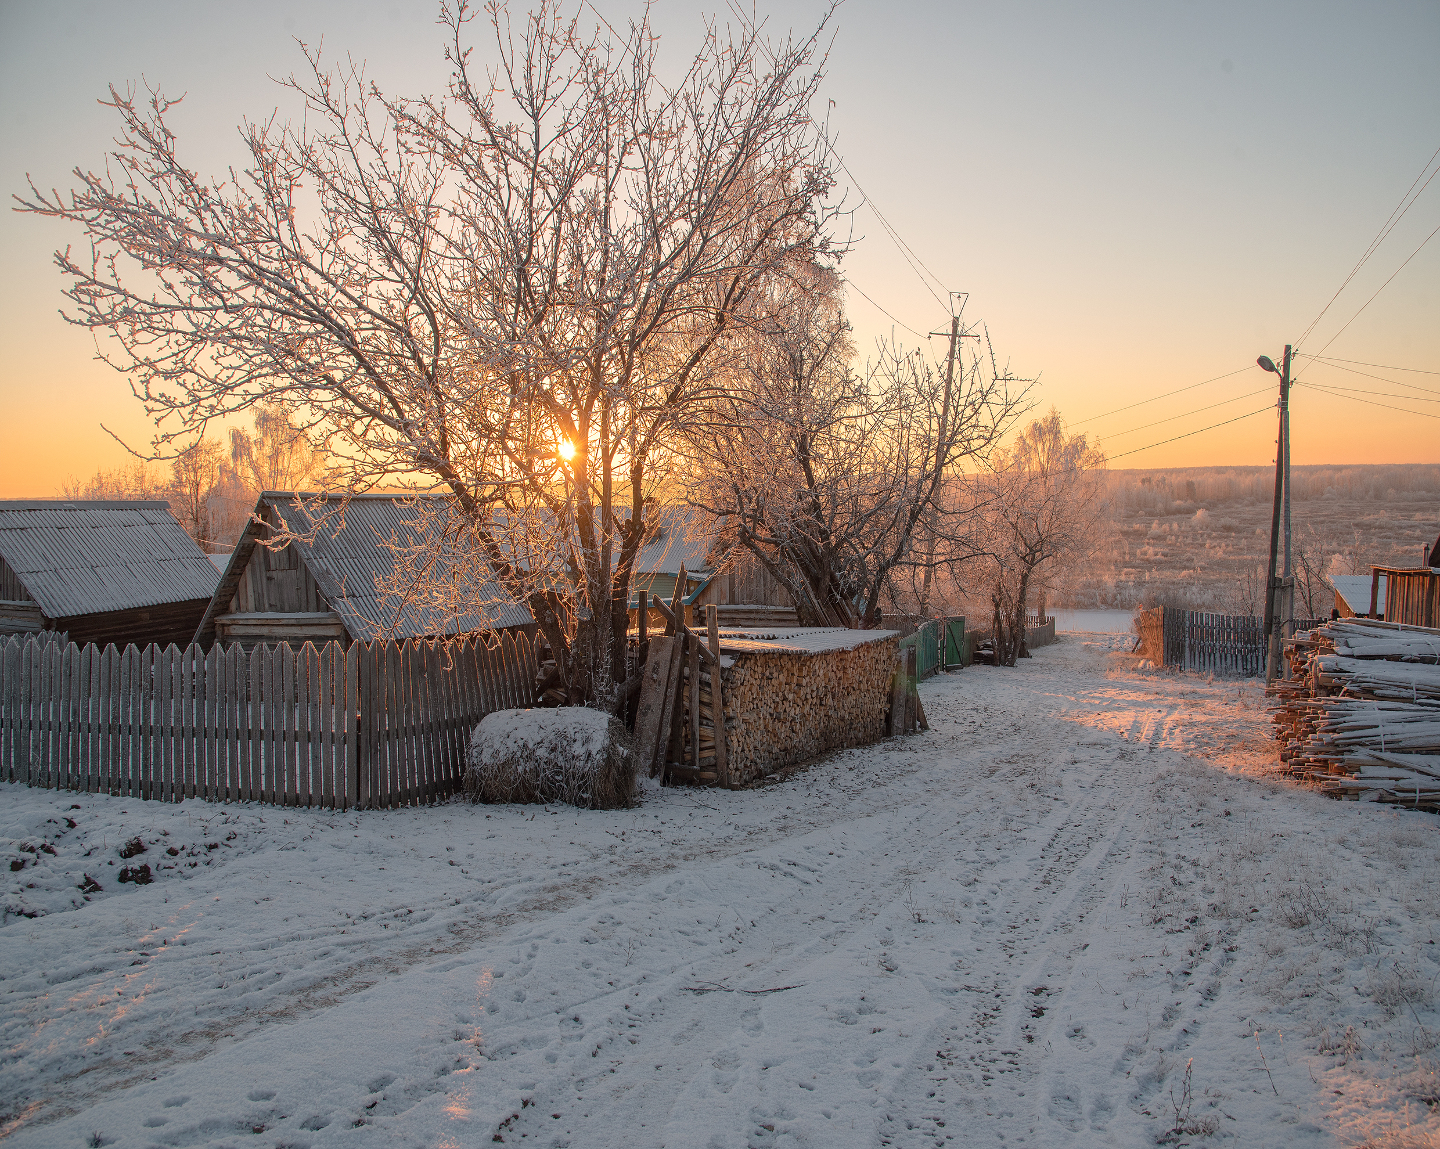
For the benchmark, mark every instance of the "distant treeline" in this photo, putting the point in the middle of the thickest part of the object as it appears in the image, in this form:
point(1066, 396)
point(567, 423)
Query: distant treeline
point(1163, 490)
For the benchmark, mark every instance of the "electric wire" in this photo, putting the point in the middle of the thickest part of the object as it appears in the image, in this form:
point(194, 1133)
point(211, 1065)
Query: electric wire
point(872, 303)
point(904, 248)
point(1385, 229)
point(1177, 391)
point(1384, 394)
point(1186, 414)
point(1362, 363)
point(905, 251)
point(1355, 398)
point(1188, 434)
point(1380, 378)
point(1382, 287)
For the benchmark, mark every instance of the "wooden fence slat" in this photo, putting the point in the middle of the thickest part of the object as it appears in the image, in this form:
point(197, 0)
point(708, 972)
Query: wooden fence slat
point(301, 711)
point(252, 719)
point(189, 725)
point(409, 711)
point(80, 717)
point(9, 696)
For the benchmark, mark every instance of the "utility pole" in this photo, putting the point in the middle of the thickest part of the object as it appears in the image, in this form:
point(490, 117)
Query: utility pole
point(1282, 494)
point(1285, 623)
point(944, 415)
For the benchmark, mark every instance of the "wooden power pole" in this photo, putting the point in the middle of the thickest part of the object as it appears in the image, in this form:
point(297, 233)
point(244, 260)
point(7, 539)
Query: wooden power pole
point(1273, 585)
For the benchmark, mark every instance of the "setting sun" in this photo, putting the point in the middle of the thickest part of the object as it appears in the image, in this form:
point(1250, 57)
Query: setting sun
point(566, 450)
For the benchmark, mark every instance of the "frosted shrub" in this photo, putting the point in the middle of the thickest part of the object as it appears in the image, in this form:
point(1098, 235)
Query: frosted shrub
point(571, 754)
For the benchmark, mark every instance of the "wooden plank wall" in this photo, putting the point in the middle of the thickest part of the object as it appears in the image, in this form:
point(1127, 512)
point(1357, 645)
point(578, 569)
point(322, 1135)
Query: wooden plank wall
point(1413, 597)
point(371, 725)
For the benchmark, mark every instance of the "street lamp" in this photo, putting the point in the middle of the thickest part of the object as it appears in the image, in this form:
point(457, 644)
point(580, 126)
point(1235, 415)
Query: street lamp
point(1269, 364)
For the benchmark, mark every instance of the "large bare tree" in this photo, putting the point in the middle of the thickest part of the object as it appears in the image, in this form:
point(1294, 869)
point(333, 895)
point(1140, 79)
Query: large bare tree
point(830, 477)
point(513, 293)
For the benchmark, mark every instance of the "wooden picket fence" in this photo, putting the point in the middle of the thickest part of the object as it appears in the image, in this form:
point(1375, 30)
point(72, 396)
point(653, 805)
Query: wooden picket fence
point(1217, 643)
point(372, 725)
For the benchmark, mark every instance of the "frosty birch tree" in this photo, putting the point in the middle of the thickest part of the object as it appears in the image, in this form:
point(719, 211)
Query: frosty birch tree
point(1041, 501)
point(513, 293)
point(827, 476)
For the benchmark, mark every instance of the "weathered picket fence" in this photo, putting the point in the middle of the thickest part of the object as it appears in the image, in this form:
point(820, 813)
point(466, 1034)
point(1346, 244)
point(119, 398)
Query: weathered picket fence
point(1216, 643)
point(372, 725)
point(926, 641)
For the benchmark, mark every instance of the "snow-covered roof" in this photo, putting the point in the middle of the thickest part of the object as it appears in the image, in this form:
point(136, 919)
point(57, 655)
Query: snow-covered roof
point(680, 536)
point(353, 560)
point(89, 557)
point(801, 640)
point(1355, 590)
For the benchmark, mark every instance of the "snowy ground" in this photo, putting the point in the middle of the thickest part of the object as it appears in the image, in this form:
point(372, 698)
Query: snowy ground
point(1075, 906)
point(1094, 621)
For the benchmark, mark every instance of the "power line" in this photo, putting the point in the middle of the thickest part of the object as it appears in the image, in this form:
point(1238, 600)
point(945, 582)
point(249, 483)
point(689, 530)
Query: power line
point(1385, 229)
point(1362, 363)
point(1385, 394)
point(1382, 287)
point(1188, 434)
point(1388, 406)
point(1334, 365)
point(1177, 391)
point(904, 248)
point(1186, 414)
point(872, 303)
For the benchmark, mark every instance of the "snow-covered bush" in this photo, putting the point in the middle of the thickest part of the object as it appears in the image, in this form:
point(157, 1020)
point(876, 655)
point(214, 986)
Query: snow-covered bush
point(570, 754)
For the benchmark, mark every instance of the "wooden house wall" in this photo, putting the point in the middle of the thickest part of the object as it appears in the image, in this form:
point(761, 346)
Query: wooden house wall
point(744, 581)
point(11, 588)
point(277, 582)
point(171, 622)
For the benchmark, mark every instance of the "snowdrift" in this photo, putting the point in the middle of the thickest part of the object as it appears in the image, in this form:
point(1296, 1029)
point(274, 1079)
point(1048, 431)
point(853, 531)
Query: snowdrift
point(570, 754)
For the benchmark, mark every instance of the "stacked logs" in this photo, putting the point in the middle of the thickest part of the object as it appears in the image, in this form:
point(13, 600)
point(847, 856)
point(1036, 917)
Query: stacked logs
point(788, 706)
point(1360, 714)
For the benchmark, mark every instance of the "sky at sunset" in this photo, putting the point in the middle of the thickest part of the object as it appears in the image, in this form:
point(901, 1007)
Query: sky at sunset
point(1137, 198)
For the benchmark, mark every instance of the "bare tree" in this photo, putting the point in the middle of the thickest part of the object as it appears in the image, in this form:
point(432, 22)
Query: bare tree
point(137, 480)
point(513, 294)
point(277, 455)
point(826, 476)
point(1039, 505)
point(195, 474)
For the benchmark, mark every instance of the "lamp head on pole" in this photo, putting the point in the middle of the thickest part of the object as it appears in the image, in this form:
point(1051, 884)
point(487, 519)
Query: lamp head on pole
point(1269, 364)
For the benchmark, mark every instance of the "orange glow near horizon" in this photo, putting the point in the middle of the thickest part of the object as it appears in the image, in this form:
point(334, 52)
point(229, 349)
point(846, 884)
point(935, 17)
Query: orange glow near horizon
point(1138, 244)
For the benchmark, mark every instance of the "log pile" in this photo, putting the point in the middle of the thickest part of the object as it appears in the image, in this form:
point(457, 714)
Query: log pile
point(788, 705)
point(1360, 714)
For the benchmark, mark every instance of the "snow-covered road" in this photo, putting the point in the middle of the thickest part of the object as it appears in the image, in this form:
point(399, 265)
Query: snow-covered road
point(1077, 912)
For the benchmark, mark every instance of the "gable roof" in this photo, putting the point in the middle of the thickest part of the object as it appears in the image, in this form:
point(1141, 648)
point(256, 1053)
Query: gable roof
point(1355, 590)
point(91, 557)
point(347, 558)
point(679, 536)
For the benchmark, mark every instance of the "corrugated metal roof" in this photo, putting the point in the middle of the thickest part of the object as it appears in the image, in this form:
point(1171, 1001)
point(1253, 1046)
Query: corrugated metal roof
point(1355, 590)
point(79, 558)
point(356, 570)
point(679, 536)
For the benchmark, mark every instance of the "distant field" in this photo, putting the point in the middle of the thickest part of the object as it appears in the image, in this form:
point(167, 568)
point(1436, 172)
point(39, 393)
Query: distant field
point(1199, 536)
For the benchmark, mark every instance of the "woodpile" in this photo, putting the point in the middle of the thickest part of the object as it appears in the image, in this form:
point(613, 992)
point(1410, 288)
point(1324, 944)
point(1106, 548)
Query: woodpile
point(728, 710)
point(1360, 713)
point(789, 705)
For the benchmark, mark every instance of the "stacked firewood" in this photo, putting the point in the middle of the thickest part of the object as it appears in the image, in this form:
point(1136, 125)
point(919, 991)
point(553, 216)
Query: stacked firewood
point(1360, 713)
point(787, 707)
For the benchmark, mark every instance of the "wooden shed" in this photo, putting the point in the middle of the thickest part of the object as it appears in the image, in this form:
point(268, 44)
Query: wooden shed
point(688, 539)
point(1352, 596)
point(337, 582)
point(101, 571)
point(1411, 595)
